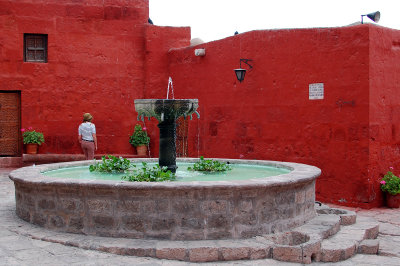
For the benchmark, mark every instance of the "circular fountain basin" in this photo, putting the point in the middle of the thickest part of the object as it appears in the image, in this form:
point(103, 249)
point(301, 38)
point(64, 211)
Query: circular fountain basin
point(195, 210)
point(238, 172)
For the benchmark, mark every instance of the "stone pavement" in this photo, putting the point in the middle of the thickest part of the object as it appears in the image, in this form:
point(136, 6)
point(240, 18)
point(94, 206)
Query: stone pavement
point(18, 248)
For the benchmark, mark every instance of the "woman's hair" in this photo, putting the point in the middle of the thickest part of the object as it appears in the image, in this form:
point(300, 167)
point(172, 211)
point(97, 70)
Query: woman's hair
point(87, 117)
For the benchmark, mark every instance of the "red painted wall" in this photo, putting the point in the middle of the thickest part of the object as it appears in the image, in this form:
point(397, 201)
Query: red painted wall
point(384, 117)
point(96, 63)
point(269, 115)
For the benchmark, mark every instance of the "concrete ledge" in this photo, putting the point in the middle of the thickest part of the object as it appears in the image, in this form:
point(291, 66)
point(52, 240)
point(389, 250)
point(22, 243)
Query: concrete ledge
point(10, 162)
point(56, 158)
point(29, 159)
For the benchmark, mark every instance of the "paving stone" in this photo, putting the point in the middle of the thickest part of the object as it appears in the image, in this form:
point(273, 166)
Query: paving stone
point(172, 253)
point(234, 253)
point(172, 250)
point(203, 254)
point(389, 246)
point(389, 229)
point(371, 260)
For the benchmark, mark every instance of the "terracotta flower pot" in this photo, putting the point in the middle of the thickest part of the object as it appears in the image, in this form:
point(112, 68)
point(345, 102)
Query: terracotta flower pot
point(393, 201)
point(31, 148)
point(141, 150)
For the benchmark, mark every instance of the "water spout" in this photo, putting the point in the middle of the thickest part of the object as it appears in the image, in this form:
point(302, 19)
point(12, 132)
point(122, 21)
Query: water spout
point(172, 88)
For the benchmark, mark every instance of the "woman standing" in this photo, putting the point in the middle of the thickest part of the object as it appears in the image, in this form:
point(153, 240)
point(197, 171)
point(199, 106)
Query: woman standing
point(87, 136)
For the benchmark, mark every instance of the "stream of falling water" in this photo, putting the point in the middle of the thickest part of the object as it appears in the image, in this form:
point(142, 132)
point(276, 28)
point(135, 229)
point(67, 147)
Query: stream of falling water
point(172, 88)
point(170, 84)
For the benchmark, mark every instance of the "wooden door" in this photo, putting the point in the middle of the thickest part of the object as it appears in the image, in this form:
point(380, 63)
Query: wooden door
point(10, 123)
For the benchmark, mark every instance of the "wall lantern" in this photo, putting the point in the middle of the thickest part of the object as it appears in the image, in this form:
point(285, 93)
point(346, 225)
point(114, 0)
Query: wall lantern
point(375, 16)
point(240, 72)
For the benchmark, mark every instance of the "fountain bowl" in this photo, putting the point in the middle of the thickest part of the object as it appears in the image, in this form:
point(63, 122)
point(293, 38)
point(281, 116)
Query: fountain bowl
point(166, 108)
point(196, 210)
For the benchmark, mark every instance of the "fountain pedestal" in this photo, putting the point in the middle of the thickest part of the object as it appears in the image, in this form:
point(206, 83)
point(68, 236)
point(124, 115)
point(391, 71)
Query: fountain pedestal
point(167, 153)
point(166, 112)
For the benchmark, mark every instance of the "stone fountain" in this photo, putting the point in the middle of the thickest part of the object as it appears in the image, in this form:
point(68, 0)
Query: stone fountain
point(166, 111)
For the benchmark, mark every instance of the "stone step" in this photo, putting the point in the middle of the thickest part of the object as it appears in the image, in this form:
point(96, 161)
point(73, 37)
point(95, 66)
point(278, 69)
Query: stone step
point(323, 225)
point(368, 246)
point(346, 217)
point(303, 244)
point(345, 243)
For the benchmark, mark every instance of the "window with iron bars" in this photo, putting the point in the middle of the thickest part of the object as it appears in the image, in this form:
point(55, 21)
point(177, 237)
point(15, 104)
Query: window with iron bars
point(35, 48)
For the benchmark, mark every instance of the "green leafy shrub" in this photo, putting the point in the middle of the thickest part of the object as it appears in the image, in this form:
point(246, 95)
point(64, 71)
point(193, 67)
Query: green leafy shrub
point(210, 166)
point(390, 183)
point(139, 136)
point(30, 136)
point(150, 174)
point(110, 165)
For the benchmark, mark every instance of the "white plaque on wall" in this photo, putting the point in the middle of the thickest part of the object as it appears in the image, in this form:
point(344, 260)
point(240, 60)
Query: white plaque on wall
point(316, 91)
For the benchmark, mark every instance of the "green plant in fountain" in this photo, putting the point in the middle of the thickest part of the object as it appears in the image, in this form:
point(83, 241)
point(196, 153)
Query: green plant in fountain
point(149, 174)
point(111, 165)
point(210, 166)
point(30, 136)
point(139, 136)
point(390, 183)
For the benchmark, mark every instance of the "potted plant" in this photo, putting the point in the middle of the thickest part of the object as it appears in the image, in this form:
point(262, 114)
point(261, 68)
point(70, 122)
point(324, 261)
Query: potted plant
point(140, 139)
point(390, 184)
point(32, 139)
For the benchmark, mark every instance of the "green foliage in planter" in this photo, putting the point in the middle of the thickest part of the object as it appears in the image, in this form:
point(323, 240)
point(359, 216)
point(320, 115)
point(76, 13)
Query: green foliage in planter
point(32, 137)
point(149, 174)
point(390, 183)
point(210, 166)
point(139, 136)
point(110, 165)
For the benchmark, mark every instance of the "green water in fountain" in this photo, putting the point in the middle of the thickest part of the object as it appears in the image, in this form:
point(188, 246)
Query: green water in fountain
point(238, 172)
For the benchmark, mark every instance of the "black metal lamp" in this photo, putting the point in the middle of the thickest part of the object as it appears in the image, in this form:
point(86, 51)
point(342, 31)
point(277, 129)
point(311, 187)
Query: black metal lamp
point(241, 72)
point(375, 16)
